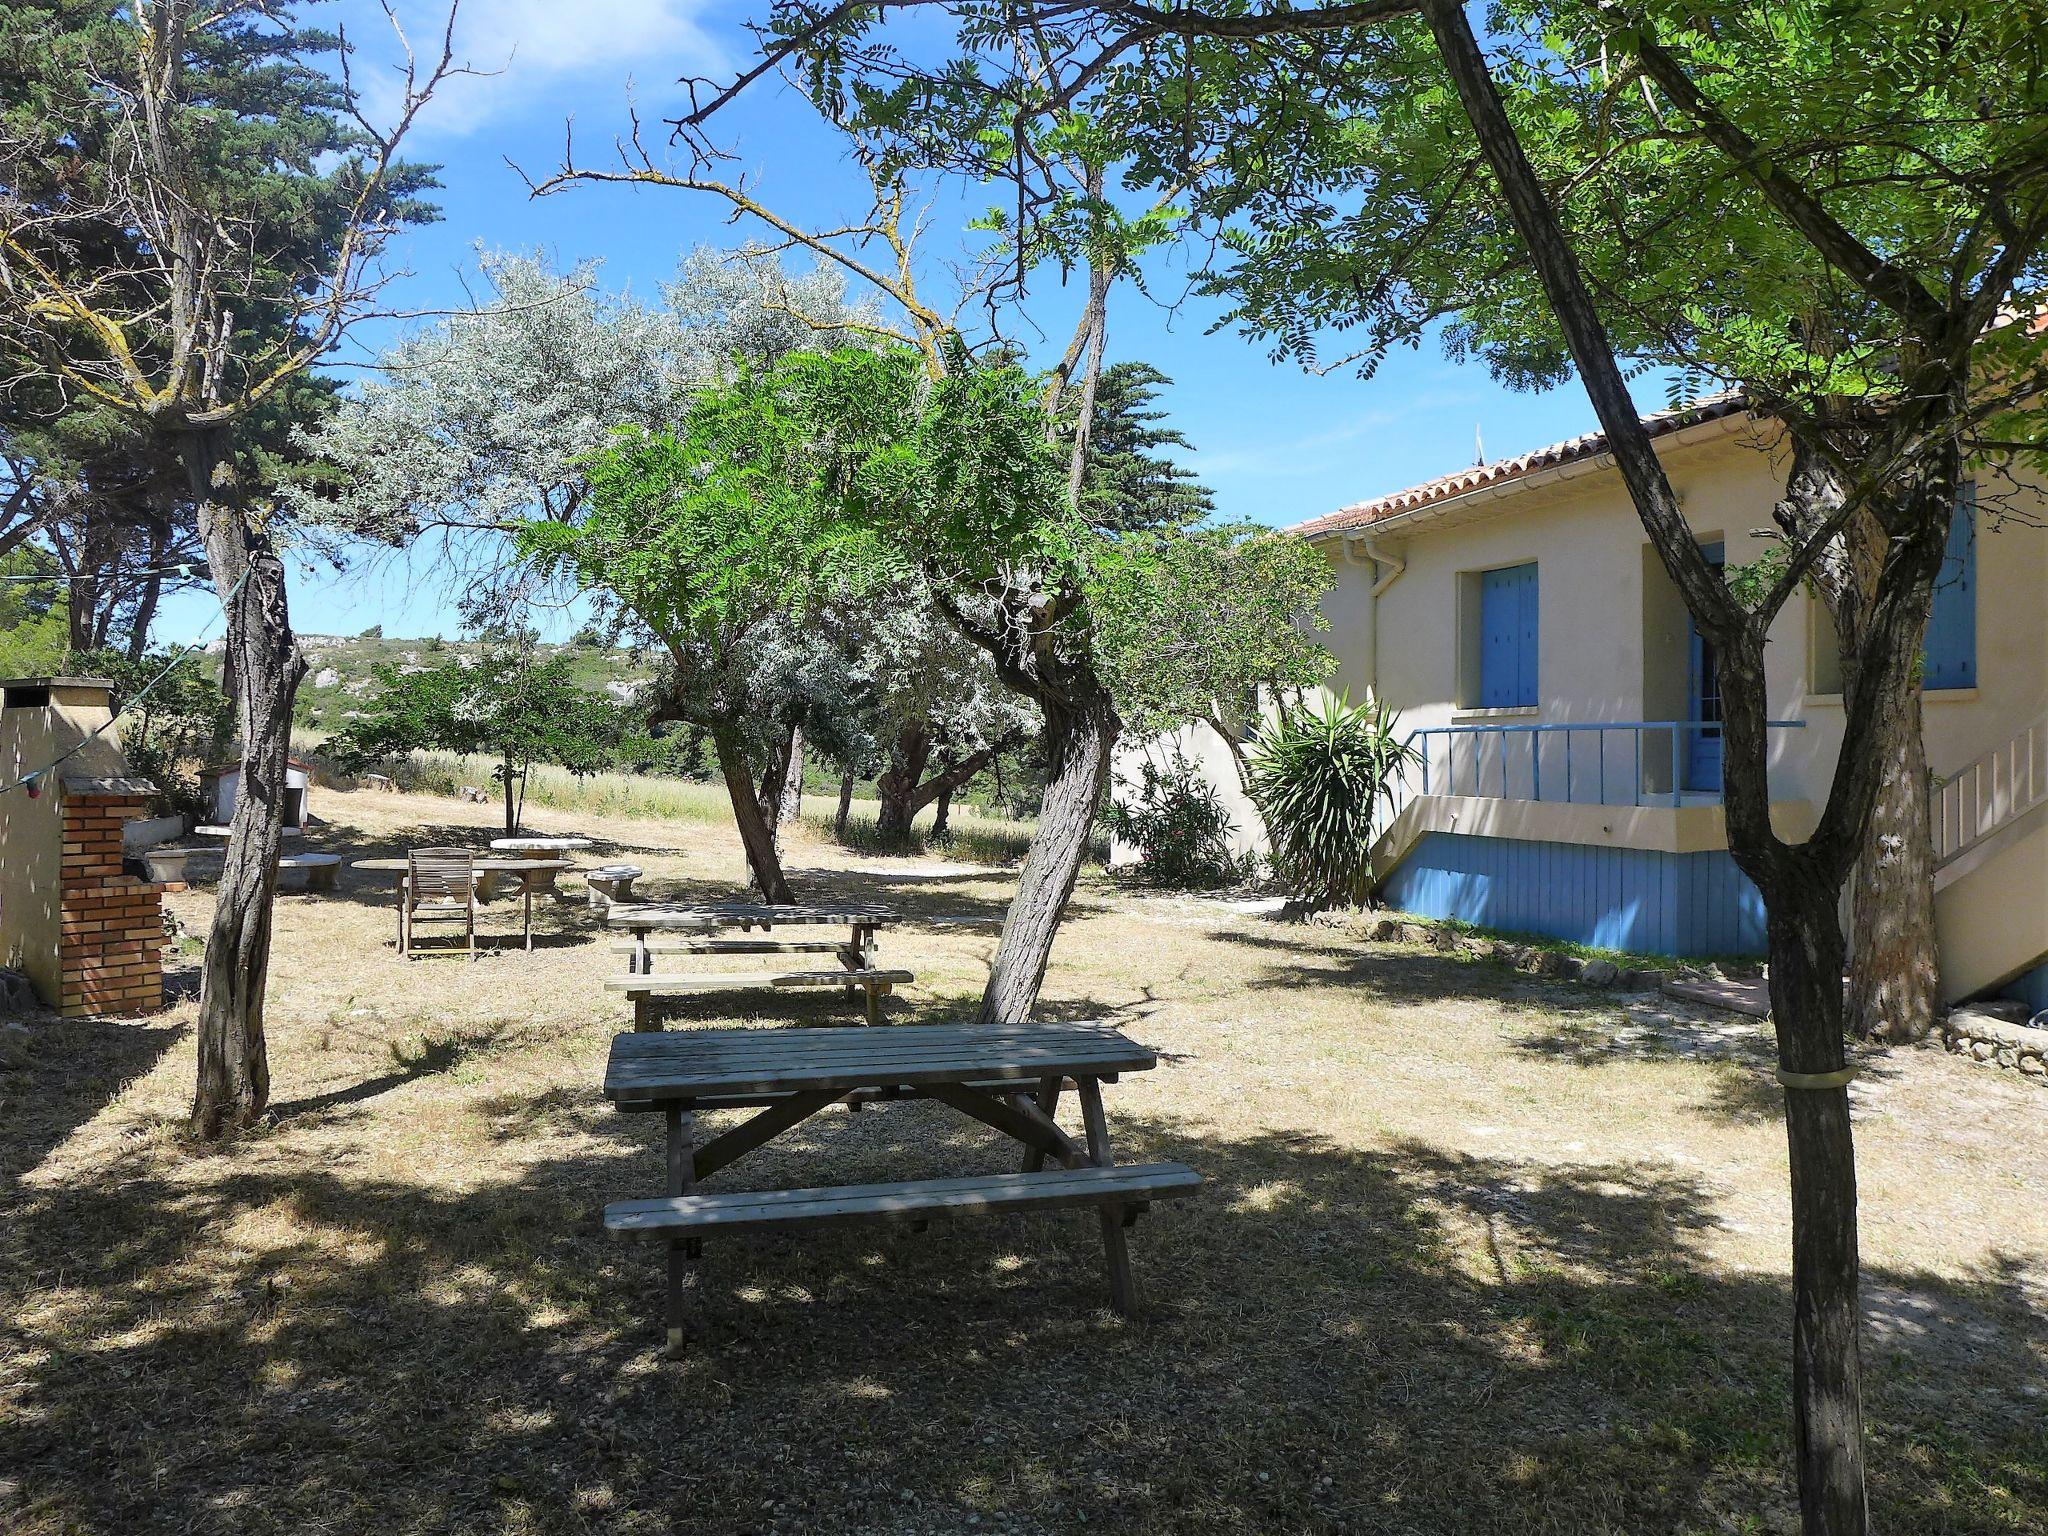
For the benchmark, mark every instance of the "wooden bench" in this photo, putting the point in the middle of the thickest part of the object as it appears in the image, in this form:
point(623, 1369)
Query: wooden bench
point(1130, 1187)
point(644, 989)
point(734, 947)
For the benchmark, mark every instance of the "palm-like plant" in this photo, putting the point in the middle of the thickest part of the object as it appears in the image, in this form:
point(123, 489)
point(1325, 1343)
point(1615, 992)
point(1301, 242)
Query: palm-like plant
point(1318, 773)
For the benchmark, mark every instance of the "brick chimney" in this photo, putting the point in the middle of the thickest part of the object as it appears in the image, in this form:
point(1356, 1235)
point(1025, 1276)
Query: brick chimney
point(88, 934)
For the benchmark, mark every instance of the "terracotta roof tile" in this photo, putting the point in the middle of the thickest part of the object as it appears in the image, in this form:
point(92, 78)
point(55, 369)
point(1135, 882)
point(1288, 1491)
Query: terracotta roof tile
point(1444, 487)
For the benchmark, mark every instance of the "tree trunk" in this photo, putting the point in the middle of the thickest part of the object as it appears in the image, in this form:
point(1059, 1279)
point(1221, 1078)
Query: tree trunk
point(896, 788)
point(845, 809)
point(757, 838)
point(942, 810)
point(1807, 952)
point(1894, 979)
point(152, 587)
point(145, 616)
point(1079, 738)
point(774, 794)
point(1800, 886)
point(234, 1069)
point(1894, 976)
point(511, 806)
point(791, 809)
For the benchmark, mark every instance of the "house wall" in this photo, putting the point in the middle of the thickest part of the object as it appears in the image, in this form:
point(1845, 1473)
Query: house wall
point(1612, 646)
point(87, 934)
point(1612, 628)
point(1210, 756)
point(1641, 899)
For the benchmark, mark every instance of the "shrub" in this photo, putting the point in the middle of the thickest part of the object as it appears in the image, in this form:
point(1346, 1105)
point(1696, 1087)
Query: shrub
point(174, 719)
point(1179, 825)
point(1318, 774)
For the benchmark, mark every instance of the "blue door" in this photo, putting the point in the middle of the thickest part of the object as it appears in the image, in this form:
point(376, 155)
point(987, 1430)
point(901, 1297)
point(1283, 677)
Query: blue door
point(1703, 745)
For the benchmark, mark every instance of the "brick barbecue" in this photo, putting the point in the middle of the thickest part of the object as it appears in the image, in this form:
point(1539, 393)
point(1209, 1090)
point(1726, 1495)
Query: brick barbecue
point(88, 934)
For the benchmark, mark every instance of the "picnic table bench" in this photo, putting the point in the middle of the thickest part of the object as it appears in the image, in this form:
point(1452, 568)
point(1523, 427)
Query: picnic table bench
point(1009, 1077)
point(700, 925)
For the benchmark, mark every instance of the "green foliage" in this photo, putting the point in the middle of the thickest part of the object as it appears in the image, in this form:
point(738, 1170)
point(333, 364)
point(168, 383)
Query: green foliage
point(35, 616)
point(1185, 623)
point(1319, 774)
point(1129, 482)
point(1178, 823)
point(180, 725)
point(512, 706)
point(956, 479)
point(952, 476)
point(703, 532)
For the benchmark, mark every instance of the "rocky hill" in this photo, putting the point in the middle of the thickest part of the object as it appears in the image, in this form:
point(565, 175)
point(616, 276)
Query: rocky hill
point(341, 671)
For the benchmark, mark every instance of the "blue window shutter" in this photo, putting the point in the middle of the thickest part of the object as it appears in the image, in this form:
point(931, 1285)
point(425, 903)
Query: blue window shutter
point(1507, 638)
point(1950, 658)
point(1525, 675)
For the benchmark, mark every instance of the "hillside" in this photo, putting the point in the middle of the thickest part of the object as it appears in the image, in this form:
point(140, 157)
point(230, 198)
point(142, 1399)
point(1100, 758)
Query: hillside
point(341, 671)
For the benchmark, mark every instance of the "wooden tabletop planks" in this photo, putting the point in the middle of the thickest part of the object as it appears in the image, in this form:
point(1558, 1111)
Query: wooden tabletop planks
point(700, 1063)
point(647, 914)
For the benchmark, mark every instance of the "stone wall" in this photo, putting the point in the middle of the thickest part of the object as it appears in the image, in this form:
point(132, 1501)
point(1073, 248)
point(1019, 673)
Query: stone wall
point(1985, 1037)
point(111, 939)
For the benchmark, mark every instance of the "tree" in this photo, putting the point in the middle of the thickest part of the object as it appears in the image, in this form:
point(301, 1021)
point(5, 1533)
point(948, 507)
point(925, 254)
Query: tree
point(34, 614)
point(174, 716)
point(1022, 601)
point(1130, 483)
point(926, 700)
point(192, 216)
point(1820, 120)
point(1197, 626)
point(480, 420)
point(487, 421)
point(703, 540)
point(513, 705)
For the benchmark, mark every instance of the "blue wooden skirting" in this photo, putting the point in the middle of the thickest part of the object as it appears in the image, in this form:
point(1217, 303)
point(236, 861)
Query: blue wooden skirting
point(1614, 898)
point(2030, 988)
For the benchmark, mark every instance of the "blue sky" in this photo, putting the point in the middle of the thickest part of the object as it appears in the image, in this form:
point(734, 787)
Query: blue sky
point(1276, 445)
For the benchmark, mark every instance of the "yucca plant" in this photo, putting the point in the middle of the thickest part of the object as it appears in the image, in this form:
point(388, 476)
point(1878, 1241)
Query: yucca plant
point(1318, 773)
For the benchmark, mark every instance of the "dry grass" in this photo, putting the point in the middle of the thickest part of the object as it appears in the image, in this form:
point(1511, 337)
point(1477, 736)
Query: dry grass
point(1478, 1254)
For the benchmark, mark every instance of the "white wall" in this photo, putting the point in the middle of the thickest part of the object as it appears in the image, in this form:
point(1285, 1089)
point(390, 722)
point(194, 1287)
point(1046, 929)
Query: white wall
point(1601, 589)
point(1207, 752)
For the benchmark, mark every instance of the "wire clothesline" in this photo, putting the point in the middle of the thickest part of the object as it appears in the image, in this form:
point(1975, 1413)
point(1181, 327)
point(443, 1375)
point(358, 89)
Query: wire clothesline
point(31, 781)
point(183, 568)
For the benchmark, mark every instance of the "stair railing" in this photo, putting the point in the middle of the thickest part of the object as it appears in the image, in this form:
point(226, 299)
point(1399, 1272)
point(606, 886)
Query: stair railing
point(1991, 793)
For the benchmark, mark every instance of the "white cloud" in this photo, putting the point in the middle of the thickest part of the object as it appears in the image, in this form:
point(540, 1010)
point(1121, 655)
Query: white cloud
point(526, 49)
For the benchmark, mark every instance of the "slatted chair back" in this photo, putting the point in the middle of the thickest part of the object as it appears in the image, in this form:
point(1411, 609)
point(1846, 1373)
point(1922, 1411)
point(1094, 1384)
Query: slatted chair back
point(441, 874)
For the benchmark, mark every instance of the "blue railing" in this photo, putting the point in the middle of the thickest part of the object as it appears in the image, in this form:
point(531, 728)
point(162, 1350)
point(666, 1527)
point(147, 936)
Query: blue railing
point(1518, 762)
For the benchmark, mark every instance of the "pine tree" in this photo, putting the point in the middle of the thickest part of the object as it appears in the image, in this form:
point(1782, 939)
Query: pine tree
point(1131, 482)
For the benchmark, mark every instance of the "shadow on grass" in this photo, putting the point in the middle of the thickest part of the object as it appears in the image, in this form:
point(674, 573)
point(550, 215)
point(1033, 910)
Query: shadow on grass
point(1332, 1339)
point(56, 1074)
point(412, 1059)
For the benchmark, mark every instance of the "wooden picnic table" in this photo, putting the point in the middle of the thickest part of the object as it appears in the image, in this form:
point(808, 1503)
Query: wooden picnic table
point(528, 872)
point(704, 921)
point(697, 928)
point(1007, 1076)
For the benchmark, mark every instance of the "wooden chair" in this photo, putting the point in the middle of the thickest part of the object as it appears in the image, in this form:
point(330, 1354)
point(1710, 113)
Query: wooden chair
point(439, 887)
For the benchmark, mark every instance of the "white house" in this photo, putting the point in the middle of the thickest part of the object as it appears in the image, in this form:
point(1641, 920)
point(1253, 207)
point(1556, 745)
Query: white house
point(1545, 666)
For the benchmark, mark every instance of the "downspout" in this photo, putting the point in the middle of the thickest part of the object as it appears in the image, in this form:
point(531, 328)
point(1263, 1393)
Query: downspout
point(1389, 568)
